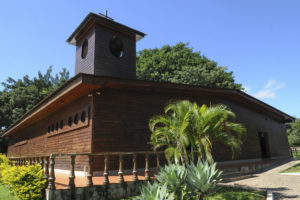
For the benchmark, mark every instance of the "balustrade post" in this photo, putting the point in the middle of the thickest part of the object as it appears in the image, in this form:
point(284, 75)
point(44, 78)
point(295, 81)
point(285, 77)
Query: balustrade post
point(121, 177)
point(157, 163)
point(147, 177)
point(42, 163)
point(105, 173)
point(72, 173)
point(37, 160)
point(46, 169)
point(134, 170)
point(90, 172)
point(51, 185)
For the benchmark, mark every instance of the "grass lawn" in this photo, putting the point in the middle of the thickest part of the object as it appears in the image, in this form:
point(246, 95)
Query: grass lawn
point(297, 156)
point(230, 193)
point(5, 193)
point(294, 169)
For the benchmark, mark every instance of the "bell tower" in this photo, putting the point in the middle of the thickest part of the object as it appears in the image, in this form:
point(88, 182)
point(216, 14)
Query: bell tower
point(105, 47)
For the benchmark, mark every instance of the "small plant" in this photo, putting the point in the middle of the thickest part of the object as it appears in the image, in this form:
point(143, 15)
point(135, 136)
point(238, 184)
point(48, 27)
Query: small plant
point(155, 191)
point(189, 182)
point(202, 178)
point(174, 177)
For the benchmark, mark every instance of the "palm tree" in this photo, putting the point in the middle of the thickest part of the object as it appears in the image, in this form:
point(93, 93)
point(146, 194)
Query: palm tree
point(188, 131)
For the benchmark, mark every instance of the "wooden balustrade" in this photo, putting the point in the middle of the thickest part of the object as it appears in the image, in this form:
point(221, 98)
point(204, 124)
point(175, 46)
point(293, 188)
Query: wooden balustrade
point(120, 172)
point(51, 179)
point(46, 171)
point(105, 172)
point(90, 172)
point(47, 163)
point(72, 173)
point(134, 170)
point(147, 177)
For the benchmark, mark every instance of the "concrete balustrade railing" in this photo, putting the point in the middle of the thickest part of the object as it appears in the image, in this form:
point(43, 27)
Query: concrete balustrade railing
point(48, 164)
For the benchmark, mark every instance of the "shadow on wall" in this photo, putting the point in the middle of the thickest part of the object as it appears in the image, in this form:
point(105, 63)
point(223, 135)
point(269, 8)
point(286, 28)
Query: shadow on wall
point(3, 145)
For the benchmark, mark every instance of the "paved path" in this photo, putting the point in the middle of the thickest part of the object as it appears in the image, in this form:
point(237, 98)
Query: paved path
point(283, 186)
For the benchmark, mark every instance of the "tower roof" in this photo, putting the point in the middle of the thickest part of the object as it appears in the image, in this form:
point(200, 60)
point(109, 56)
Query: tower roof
point(92, 19)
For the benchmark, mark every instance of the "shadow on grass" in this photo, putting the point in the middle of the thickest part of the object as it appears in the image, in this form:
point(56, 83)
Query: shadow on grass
point(235, 193)
point(277, 192)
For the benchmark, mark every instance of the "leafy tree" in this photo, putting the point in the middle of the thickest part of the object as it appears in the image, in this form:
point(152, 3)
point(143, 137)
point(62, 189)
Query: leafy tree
point(187, 127)
point(19, 96)
point(180, 64)
point(293, 131)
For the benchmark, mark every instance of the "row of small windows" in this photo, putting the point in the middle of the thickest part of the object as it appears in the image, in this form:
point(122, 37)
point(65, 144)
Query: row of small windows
point(60, 125)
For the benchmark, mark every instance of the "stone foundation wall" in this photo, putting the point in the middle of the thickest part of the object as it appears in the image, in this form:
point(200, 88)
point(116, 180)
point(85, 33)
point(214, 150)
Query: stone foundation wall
point(114, 191)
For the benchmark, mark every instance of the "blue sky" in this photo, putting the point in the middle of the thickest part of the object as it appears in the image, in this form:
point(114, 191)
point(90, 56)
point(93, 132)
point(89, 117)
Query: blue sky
point(259, 40)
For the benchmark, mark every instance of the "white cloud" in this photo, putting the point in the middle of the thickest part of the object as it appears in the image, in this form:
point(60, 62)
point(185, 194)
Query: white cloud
point(247, 89)
point(269, 89)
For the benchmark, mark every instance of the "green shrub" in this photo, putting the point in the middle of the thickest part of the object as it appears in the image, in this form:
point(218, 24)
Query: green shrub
point(174, 177)
point(154, 192)
point(4, 159)
point(189, 182)
point(27, 182)
point(4, 163)
point(202, 178)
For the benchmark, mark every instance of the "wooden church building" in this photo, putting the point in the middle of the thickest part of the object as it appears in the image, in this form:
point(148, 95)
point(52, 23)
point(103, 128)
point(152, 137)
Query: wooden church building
point(104, 108)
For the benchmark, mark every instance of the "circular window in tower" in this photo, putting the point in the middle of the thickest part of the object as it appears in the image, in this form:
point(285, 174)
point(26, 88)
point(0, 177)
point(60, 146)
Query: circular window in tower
point(84, 49)
point(116, 47)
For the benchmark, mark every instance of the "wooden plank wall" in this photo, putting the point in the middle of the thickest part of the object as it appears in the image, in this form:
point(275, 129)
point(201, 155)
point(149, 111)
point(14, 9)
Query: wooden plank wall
point(121, 123)
point(71, 139)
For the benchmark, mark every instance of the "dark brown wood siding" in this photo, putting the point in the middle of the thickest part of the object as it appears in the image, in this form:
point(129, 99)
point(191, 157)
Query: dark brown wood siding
point(74, 139)
point(121, 123)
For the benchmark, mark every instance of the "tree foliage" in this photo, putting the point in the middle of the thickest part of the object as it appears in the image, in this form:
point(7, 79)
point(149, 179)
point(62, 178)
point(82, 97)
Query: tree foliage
point(180, 64)
point(19, 96)
point(293, 131)
point(188, 131)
